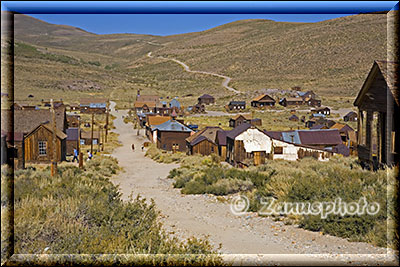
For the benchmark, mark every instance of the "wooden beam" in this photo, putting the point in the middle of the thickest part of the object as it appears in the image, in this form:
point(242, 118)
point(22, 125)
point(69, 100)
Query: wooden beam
point(54, 141)
point(91, 135)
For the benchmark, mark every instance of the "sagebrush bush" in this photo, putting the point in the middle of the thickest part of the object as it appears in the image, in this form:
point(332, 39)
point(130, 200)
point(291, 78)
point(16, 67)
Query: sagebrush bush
point(80, 211)
point(307, 180)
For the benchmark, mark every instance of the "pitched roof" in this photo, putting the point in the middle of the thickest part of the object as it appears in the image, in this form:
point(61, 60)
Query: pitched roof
point(72, 134)
point(274, 134)
point(245, 116)
point(237, 103)
point(27, 120)
point(238, 130)
point(293, 117)
point(342, 127)
point(260, 97)
point(210, 133)
point(206, 96)
point(157, 120)
point(318, 126)
point(173, 126)
point(319, 137)
point(351, 113)
point(174, 103)
point(150, 104)
point(389, 70)
point(60, 134)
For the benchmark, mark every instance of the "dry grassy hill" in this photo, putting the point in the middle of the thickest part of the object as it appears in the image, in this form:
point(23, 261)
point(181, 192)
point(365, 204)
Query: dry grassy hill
point(330, 57)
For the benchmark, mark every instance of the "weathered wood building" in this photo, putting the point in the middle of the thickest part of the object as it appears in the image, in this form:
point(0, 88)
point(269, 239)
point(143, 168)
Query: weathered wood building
point(351, 116)
point(324, 111)
point(206, 99)
point(93, 105)
point(244, 118)
point(39, 147)
point(291, 101)
point(263, 101)
point(171, 135)
point(72, 140)
point(236, 105)
point(204, 142)
point(378, 111)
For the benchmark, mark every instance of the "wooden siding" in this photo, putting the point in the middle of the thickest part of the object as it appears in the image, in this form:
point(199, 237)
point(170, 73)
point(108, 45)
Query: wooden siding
point(204, 148)
point(32, 146)
point(165, 139)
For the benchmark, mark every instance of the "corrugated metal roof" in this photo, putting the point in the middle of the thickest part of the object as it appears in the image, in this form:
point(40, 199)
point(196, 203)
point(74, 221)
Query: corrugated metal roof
point(237, 103)
point(173, 126)
point(274, 134)
point(157, 120)
point(291, 137)
point(320, 137)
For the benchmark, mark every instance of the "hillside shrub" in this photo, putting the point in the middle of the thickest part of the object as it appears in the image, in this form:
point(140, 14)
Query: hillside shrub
point(80, 211)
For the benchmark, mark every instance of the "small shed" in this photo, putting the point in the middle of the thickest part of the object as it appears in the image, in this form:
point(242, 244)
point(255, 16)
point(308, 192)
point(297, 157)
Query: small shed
point(38, 144)
point(294, 118)
point(263, 101)
point(206, 99)
point(291, 101)
point(351, 116)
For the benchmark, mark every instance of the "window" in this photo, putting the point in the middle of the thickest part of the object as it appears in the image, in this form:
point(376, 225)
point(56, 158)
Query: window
point(212, 149)
point(42, 148)
point(94, 141)
point(82, 141)
point(278, 150)
point(175, 147)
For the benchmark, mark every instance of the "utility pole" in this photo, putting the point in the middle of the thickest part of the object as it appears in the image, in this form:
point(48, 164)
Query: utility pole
point(107, 111)
point(54, 150)
point(99, 142)
point(91, 135)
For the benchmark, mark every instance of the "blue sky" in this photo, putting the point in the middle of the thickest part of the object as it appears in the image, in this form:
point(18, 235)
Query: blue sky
point(165, 24)
point(174, 17)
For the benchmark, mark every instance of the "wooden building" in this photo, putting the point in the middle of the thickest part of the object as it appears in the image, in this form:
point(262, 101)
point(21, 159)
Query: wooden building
point(244, 118)
point(294, 118)
point(86, 137)
point(93, 105)
point(153, 121)
point(206, 99)
point(72, 140)
point(171, 135)
point(378, 111)
point(198, 108)
point(236, 105)
point(351, 116)
point(291, 101)
point(72, 120)
point(246, 145)
point(324, 111)
point(204, 142)
point(263, 101)
point(38, 145)
point(221, 143)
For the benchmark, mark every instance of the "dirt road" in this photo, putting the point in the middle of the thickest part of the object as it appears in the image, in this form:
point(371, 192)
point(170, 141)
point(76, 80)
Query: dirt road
point(225, 82)
point(203, 215)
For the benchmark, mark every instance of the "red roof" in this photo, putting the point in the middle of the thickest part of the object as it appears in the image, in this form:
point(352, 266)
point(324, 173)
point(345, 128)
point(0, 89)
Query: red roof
point(320, 137)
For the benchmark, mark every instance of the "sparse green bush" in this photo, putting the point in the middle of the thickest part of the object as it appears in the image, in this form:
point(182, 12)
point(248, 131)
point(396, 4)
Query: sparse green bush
point(80, 211)
point(307, 180)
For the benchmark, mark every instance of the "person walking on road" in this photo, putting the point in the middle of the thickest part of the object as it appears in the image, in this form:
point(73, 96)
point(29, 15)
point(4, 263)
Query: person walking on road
point(75, 155)
point(90, 156)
